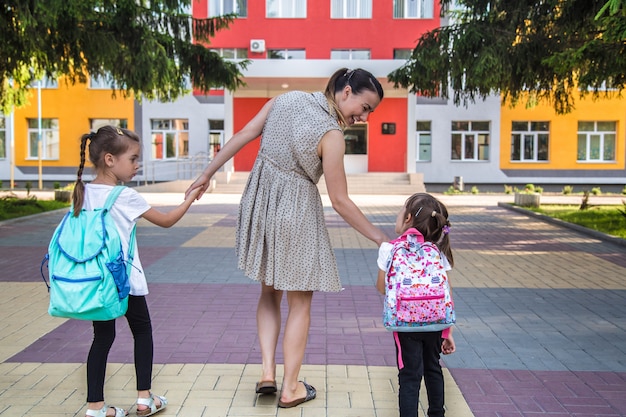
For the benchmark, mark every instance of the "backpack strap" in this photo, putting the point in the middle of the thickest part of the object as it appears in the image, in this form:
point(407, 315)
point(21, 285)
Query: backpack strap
point(115, 192)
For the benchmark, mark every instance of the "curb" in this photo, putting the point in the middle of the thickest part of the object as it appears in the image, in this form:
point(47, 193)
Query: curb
point(589, 232)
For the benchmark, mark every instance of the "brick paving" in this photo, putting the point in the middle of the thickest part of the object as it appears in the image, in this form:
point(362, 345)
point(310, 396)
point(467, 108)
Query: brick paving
point(541, 321)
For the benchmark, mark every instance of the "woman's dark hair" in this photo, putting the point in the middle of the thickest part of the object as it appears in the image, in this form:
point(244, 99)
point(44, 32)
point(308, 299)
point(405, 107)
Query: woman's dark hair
point(358, 79)
point(430, 217)
point(108, 139)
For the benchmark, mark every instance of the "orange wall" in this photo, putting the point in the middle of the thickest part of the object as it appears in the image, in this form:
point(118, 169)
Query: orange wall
point(563, 145)
point(73, 106)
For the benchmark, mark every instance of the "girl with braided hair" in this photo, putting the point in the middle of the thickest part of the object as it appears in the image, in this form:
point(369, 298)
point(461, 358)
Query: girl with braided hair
point(418, 353)
point(114, 153)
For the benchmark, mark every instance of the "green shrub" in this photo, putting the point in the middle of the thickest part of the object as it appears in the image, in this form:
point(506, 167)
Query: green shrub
point(596, 191)
point(568, 189)
point(539, 190)
point(509, 189)
point(474, 190)
point(623, 190)
point(57, 185)
point(530, 188)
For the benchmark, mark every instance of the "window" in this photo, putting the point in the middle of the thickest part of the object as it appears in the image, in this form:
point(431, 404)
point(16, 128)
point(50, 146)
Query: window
point(216, 137)
point(423, 137)
point(470, 141)
point(49, 138)
point(402, 53)
point(46, 82)
point(351, 9)
point(285, 8)
point(3, 137)
point(286, 54)
point(98, 123)
point(102, 82)
point(232, 53)
point(356, 139)
point(222, 7)
point(350, 54)
point(413, 9)
point(529, 141)
point(170, 138)
point(596, 141)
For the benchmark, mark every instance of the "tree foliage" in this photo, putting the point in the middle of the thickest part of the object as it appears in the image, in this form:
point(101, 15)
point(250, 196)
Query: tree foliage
point(540, 50)
point(149, 49)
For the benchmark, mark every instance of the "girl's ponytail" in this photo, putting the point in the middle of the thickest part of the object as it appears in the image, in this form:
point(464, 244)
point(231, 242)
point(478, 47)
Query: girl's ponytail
point(78, 196)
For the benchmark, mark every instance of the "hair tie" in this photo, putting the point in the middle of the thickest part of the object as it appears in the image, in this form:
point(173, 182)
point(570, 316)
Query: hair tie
point(433, 214)
point(119, 131)
point(445, 229)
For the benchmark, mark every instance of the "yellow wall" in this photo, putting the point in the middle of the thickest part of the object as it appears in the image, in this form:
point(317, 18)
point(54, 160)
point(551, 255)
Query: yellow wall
point(563, 143)
point(74, 107)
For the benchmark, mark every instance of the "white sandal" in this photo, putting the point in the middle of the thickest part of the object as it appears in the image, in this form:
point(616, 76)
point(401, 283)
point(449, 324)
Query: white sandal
point(152, 408)
point(119, 412)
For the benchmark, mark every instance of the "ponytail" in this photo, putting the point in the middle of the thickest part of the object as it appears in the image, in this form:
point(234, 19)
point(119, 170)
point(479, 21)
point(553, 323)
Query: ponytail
point(78, 196)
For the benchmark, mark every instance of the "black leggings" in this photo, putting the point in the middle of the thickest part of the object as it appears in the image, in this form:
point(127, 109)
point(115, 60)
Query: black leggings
point(103, 336)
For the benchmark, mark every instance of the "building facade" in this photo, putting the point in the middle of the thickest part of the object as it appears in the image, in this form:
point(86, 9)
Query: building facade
point(297, 45)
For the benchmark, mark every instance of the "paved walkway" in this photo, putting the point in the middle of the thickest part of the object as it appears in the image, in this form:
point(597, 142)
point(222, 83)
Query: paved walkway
point(541, 330)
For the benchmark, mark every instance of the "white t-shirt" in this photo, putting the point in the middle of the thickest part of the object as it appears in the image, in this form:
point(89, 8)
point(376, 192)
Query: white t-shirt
point(126, 211)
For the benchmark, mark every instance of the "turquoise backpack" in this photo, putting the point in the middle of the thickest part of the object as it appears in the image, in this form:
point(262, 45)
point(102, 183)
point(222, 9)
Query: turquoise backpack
point(89, 278)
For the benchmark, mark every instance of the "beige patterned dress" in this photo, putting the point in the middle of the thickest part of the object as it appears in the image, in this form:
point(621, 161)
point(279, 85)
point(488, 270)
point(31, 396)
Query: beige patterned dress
point(282, 238)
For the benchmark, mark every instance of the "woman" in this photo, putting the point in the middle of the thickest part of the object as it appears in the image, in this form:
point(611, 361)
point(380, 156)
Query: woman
point(282, 240)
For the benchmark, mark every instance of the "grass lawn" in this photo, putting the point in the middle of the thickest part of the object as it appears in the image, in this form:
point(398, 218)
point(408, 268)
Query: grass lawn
point(12, 207)
point(605, 219)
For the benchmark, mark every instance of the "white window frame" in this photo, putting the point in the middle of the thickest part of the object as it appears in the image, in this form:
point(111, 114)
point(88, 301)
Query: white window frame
point(102, 82)
point(287, 53)
point(96, 124)
point(478, 138)
point(532, 138)
point(223, 7)
point(216, 130)
point(232, 53)
point(601, 137)
point(285, 9)
point(423, 148)
point(46, 82)
point(351, 9)
point(351, 53)
point(423, 9)
point(50, 139)
point(3, 137)
point(170, 130)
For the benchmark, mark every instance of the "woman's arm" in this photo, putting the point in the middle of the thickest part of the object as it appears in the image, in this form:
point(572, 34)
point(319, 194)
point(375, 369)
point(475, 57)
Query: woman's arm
point(331, 149)
point(250, 131)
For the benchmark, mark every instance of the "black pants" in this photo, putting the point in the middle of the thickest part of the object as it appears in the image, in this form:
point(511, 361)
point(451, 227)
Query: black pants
point(103, 336)
point(420, 352)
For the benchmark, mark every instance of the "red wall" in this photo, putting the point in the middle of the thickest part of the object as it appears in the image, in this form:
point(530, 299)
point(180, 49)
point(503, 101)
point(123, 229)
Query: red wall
point(387, 153)
point(318, 33)
point(244, 110)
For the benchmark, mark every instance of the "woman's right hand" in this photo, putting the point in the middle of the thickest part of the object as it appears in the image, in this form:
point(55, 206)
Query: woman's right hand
point(202, 183)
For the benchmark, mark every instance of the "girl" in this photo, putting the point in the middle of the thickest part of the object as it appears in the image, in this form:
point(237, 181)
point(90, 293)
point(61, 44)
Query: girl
point(114, 153)
point(281, 212)
point(420, 351)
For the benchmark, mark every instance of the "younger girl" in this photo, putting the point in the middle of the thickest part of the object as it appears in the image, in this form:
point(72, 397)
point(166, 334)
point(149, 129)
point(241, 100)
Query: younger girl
point(114, 153)
point(420, 351)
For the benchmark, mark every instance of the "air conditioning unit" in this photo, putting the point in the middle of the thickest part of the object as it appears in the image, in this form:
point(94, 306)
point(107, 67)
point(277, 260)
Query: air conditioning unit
point(257, 45)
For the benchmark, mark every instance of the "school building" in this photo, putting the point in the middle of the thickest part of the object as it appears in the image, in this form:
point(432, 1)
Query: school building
point(297, 45)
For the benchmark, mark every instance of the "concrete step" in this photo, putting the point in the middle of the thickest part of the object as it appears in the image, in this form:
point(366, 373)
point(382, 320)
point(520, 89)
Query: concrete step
point(369, 183)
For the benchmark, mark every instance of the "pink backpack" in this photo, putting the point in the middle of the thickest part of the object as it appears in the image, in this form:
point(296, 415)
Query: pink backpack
point(417, 294)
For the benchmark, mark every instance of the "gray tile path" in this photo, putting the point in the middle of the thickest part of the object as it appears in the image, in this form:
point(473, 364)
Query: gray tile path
point(541, 321)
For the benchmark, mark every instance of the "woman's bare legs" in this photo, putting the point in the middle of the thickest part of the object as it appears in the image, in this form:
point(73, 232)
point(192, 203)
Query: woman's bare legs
point(268, 327)
point(294, 343)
